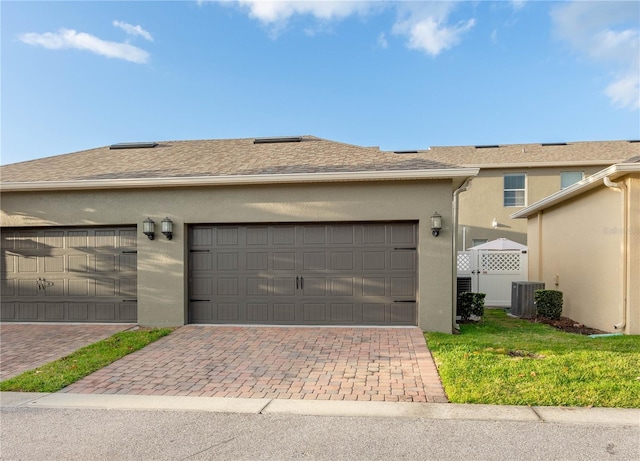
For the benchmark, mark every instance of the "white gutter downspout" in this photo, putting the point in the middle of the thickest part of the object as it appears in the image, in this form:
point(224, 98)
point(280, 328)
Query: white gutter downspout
point(465, 186)
point(621, 187)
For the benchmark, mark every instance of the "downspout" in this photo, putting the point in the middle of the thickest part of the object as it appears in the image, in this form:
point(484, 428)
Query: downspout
point(540, 256)
point(621, 187)
point(465, 186)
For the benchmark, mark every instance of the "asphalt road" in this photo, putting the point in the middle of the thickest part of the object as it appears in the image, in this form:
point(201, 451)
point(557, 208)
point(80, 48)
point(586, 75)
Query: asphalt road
point(109, 434)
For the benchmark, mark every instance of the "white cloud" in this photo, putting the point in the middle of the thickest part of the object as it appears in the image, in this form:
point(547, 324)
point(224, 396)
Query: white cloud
point(133, 30)
point(426, 26)
point(607, 33)
point(382, 41)
point(279, 11)
point(67, 38)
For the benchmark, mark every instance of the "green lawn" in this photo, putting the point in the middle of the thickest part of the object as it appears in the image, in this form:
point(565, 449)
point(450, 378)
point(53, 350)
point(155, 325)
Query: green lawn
point(509, 361)
point(56, 375)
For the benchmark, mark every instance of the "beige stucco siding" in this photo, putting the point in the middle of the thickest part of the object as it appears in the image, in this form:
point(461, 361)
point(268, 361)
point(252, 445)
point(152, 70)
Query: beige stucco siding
point(578, 247)
point(633, 276)
point(484, 201)
point(162, 264)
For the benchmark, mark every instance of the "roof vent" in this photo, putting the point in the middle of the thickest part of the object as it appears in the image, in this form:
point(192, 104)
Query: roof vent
point(405, 151)
point(277, 140)
point(488, 146)
point(546, 144)
point(134, 145)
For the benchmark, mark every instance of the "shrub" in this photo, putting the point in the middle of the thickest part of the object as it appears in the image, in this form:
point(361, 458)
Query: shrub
point(470, 304)
point(548, 303)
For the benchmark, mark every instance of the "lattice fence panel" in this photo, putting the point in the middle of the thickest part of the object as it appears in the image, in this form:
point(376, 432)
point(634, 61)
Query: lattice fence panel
point(500, 262)
point(464, 262)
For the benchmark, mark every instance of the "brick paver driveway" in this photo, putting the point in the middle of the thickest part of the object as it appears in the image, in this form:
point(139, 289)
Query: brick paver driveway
point(27, 346)
point(320, 363)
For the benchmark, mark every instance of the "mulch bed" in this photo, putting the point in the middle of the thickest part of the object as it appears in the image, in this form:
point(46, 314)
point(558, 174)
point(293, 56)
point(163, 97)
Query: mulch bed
point(568, 325)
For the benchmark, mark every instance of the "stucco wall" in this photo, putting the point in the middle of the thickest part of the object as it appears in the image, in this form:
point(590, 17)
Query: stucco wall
point(577, 247)
point(162, 264)
point(633, 277)
point(484, 201)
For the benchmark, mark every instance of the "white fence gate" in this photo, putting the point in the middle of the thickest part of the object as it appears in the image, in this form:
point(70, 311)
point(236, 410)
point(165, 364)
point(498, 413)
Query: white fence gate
point(492, 272)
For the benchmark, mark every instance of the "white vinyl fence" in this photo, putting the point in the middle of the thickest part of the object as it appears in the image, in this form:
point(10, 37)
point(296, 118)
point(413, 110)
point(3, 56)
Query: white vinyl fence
point(492, 272)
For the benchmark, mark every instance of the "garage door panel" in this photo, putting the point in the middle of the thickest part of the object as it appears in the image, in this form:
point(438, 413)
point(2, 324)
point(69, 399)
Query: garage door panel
point(227, 312)
point(54, 311)
point(54, 287)
point(79, 287)
point(27, 287)
point(284, 261)
point(314, 286)
point(342, 286)
point(314, 312)
point(201, 261)
point(304, 274)
point(343, 313)
point(258, 286)
point(284, 312)
point(284, 286)
point(257, 261)
point(402, 312)
point(227, 286)
point(403, 286)
point(7, 262)
point(27, 264)
point(8, 287)
point(96, 267)
point(374, 260)
point(54, 264)
point(257, 312)
point(78, 312)
point(7, 311)
point(373, 286)
point(28, 311)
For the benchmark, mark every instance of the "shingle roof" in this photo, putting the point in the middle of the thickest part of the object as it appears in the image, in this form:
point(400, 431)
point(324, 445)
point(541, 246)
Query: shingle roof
point(171, 159)
point(238, 157)
point(604, 152)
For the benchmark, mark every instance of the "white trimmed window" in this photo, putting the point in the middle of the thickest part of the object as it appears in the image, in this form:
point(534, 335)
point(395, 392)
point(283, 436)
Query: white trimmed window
point(515, 189)
point(568, 178)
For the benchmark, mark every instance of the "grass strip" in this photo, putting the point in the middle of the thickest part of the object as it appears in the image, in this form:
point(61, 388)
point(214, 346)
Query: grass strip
point(58, 374)
point(508, 361)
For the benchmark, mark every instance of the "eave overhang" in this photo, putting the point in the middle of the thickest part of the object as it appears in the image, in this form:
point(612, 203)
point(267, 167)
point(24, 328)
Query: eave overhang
point(459, 174)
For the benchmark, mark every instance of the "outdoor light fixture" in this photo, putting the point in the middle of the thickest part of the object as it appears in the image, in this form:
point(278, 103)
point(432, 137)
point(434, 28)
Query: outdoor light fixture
point(167, 228)
point(494, 223)
point(436, 224)
point(148, 228)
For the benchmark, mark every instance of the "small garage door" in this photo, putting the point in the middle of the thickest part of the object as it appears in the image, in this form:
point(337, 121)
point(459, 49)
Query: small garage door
point(334, 274)
point(69, 275)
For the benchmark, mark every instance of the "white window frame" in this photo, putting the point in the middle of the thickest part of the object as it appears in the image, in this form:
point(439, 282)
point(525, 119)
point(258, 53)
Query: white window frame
point(565, 173)
point(523, 190)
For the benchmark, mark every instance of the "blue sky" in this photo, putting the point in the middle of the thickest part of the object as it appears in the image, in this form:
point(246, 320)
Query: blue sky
point(399, 75)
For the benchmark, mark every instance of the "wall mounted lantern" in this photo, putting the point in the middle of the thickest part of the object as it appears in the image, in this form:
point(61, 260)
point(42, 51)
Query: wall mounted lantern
point(148, 228)
point(436, 224)
point(494, 223)
point(167, 228)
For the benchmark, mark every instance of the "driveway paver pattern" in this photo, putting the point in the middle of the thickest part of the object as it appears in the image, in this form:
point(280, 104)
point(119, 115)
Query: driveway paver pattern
point(319, 363)
point(27, 346)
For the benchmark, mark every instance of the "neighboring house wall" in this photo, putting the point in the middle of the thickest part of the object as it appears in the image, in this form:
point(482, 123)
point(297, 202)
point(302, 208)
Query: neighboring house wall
point(484, 201)
point(162, 264)
point(577, 247)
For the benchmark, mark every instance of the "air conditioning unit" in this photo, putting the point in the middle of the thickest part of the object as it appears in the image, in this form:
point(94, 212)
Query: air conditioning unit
point(463, 286)
point(522, 297)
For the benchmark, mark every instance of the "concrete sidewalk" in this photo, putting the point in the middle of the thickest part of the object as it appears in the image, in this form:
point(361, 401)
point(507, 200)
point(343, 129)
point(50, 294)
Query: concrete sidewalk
point(446, 411)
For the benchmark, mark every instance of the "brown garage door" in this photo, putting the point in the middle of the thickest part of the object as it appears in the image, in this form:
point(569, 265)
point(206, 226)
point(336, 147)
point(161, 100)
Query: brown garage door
point(69, 275)
point(340, 274)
